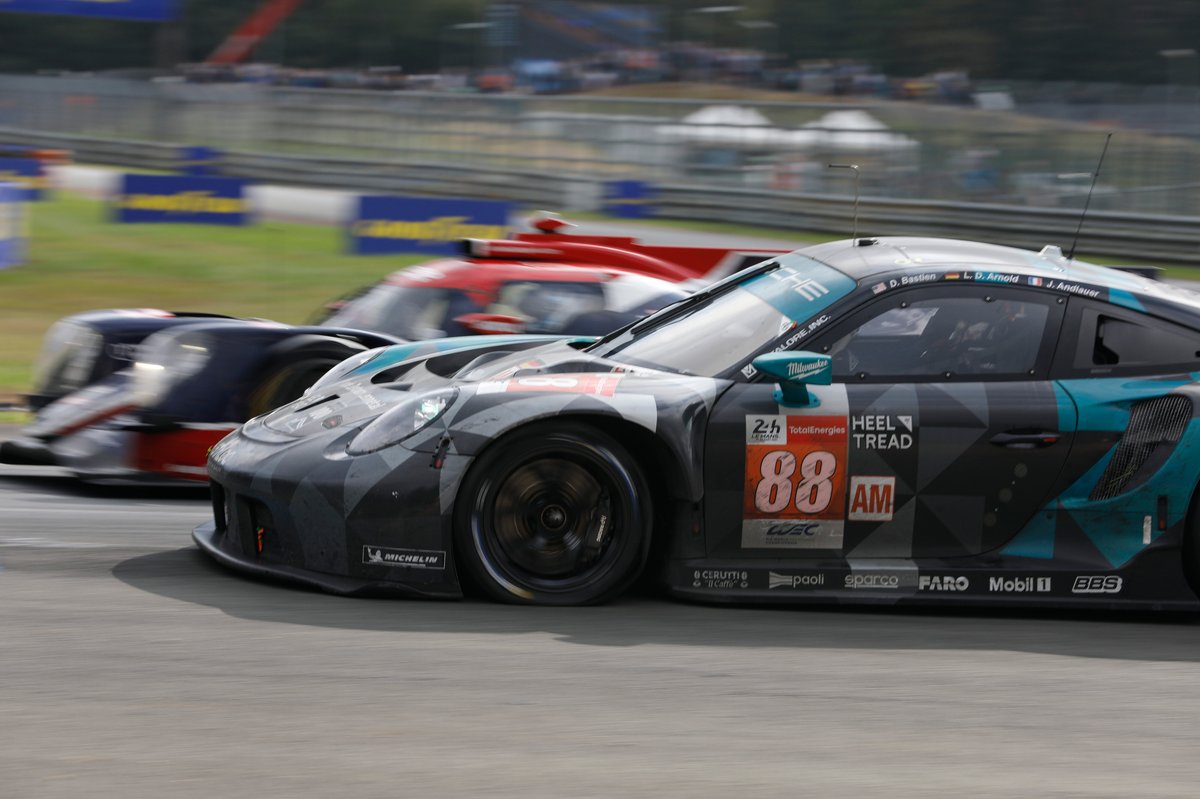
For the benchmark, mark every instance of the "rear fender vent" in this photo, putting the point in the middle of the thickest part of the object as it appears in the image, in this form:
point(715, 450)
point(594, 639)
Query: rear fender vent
point(1152, 423)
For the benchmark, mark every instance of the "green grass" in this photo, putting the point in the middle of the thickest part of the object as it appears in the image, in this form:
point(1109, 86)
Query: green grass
point(78, 260)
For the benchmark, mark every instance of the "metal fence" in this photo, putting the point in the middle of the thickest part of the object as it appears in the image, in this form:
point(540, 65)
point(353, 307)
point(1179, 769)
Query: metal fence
point(904, 150)
point(1140, 237)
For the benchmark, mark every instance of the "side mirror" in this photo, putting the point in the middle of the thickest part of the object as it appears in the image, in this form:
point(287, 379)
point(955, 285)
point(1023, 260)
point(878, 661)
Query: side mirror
point(794, 371)
point(491, 324)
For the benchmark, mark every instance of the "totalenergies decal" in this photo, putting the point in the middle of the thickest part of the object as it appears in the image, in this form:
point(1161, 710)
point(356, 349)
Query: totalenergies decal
point(184, 202)
point(442, 228)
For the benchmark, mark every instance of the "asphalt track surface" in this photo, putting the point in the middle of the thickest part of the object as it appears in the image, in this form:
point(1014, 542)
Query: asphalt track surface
point(131, 666)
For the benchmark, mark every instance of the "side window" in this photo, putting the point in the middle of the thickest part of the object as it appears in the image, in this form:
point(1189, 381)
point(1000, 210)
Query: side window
point(963, 333)
point(1113, 340)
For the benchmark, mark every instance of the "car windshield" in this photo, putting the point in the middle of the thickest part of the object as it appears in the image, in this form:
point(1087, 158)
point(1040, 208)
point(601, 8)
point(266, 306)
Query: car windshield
point(719, 330)
point(410, 312)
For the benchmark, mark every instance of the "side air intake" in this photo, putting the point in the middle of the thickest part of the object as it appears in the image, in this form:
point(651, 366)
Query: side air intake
point(1151, 423)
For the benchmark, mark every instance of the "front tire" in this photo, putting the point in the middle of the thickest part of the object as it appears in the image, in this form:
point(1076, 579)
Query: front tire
point(557, 514)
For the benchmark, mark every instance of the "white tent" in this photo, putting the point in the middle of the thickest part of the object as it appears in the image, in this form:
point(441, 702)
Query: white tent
point(734, 125)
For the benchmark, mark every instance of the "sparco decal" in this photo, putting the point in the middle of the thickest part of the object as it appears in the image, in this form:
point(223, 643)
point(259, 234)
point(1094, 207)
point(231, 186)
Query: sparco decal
point(1019, 585)
point(1097, 584)
point(404, 558)
point(940, 583)
point(872, 580)
point(720, 578)
point(809, 580)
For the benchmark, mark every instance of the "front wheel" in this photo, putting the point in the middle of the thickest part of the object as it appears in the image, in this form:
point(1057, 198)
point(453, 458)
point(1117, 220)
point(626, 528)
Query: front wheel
point(557, 514)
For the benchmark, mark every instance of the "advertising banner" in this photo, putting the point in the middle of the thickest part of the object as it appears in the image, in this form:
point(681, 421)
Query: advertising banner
point(13, 234)
point(137, 10)
point(26, 173)
point(628, 199)
point(172, 198)
point(387, 224)
point(199, 161)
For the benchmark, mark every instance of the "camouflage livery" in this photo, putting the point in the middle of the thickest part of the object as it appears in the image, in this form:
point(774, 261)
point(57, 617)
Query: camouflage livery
point(1054, 463)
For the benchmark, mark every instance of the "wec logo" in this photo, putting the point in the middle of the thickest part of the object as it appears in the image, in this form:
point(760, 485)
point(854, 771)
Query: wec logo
point(793, 529)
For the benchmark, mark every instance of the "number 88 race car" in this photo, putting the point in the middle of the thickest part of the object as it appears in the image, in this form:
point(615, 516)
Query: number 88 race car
point(885, 421)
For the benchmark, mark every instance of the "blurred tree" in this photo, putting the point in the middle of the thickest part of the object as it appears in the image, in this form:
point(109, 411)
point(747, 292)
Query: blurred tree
point(1102, 40)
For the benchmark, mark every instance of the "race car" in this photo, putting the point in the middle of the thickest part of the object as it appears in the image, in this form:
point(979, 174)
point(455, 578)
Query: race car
point(894, 420)
point(141, 394)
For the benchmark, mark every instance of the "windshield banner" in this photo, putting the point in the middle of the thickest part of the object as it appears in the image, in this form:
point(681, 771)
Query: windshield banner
point(800, 287)
point(387, 224)
point(138, 10)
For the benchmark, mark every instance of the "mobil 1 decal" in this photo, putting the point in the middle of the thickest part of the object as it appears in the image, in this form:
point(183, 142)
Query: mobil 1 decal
point(795, 479)
point(884, 430)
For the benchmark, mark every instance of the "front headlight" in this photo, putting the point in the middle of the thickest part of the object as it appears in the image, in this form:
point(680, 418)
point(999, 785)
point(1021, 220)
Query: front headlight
point(166, 359)
point(409, 417)
point(68, 357)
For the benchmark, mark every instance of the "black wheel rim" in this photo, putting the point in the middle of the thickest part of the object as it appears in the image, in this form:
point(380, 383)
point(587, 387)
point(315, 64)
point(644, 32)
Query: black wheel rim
point(552, 522)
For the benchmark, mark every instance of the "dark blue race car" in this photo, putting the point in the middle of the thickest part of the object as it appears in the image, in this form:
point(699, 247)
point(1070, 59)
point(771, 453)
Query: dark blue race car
point(891, 421)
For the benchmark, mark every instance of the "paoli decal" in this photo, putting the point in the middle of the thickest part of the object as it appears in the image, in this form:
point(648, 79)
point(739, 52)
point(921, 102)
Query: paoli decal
point(795, 483)
point(812, 580)
point(599, 385)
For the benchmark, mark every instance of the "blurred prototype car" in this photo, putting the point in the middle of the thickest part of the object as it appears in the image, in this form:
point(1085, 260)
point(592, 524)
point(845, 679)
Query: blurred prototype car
point(144, 393)
point(901, 420)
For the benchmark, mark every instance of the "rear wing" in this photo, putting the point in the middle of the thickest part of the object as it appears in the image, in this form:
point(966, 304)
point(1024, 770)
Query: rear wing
point(675, 263)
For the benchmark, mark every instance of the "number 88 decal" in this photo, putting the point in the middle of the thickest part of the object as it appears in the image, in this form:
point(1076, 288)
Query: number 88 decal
point(813, 492)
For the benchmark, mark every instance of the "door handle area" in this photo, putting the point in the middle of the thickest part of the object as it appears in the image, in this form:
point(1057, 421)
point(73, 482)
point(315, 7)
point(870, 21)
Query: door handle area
point(1026, 439)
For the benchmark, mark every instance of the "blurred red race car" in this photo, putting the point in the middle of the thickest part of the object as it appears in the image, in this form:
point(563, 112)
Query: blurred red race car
point(143, 394)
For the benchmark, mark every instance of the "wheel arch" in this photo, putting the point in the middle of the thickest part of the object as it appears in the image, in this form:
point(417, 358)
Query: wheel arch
point(665, 468)
point(278, 359)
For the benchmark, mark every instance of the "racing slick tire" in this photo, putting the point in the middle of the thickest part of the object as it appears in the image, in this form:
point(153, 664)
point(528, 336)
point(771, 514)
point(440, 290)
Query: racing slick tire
point(294, 366)
point(555, 514)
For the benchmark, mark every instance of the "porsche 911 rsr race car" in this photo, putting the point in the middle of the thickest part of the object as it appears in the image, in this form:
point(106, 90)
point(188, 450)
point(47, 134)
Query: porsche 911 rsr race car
point(897, 420)
point(197, 377)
